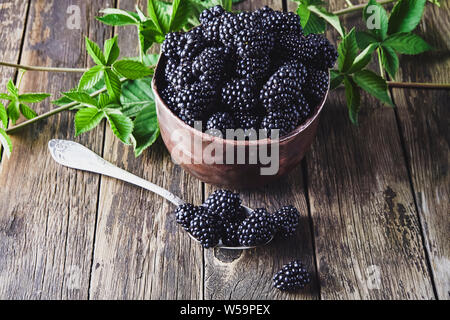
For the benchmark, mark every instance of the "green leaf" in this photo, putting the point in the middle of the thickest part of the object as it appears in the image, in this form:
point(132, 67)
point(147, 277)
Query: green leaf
point(113, 85)
point(95, 52)
point(33, 97)
point(336, 79)
point(87, 119)
point(373, 84)
point(121, 125)
point(406, 15)
point(13, 111)
point(27, 111)
point(118, 17)
point(364, 39)
point(12, 88)
point(157, 14)
point(181, 9)
point(348, 50)
point(304, 14)
point(6, 142)
point(103, 100)
point(131, 69)
point(314, 25)
point(81, 97)
point(5, 96)
point(363, 58)
point(3, 116)
point(111, 50)
point(136, 95)
point(376, 19)
point(353, 96)
point(146, 129)
point(389, 60)
point(91, 77)
point(328, 17)
point(407, 43)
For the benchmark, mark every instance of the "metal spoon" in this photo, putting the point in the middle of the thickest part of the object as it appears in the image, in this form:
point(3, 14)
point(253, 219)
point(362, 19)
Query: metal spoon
point(76, 156)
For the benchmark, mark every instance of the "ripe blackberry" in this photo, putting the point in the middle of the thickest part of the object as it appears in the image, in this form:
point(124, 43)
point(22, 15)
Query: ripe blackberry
point(286, 220)
point(247, 120)
point(193, 100)
point(230, 234)
point(194, 42)
point(206, 227)
point(225, 203)
point(284, 86)
point(173, 44)
point(256, 229)
point(181, 76)
point(275, 120)
point(185, 213)
point(171, 66)
point(209, 15)
point(220, 121)
point(254, 42)
point(240, 94)
point(316, 85)
point(317, 51)
point(280, 23)
point(209, 65)
point(255, 68)
point(293, 276)
point(169, 95)
point(228, 28)
point(292, 118)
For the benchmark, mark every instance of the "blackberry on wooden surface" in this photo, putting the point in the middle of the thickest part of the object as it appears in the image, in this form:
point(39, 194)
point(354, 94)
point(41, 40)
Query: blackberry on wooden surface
point(292, 277)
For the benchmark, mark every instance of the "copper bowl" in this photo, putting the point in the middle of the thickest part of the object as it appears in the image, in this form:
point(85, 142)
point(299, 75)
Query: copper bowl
point(292, 147)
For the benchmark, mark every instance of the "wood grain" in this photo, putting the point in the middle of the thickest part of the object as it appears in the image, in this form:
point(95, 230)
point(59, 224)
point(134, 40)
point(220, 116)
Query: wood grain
point(424, 121)
point(47, 212)
point(140, 251)
point(366, 230)
point(248, 274)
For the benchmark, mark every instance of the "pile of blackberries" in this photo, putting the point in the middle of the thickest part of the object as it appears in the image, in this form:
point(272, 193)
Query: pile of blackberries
point(251, 70)
point(222, 219)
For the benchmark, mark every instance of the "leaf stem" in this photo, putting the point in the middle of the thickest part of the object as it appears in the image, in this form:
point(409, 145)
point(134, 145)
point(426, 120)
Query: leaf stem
point(380, 63)
point(418, 85)
point(359, 7)
point(54, 111)
point(34, 68)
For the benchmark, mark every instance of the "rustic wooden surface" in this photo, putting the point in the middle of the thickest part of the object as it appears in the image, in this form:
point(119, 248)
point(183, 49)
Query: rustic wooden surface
point(373, 198)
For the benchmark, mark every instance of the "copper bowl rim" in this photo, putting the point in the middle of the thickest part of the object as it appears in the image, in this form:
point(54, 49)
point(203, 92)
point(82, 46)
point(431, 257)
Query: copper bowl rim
point(210, 138)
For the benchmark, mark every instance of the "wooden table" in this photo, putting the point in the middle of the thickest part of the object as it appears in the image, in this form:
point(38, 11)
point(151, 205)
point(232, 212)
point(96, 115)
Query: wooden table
point(373, 198)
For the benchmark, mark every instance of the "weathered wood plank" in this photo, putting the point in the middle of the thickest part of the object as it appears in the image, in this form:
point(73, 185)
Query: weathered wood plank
point(367, 234)
point(248, 274)
point(424, 122)
point(47, 212)
point(140, 252)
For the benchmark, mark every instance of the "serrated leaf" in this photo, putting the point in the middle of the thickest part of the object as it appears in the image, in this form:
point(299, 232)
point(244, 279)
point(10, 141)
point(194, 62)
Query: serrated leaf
point(136, 95)
point(348, 51)
point(363, 58)
point(314, 25)
point(13, 111)
point(406, 15)
point(158, 16)
point(95, 52)
point(33, 97)
point(353, 96)
point(91, 77)
point(3, 116)
point(111, 50)
point(87, 119)
point(376, 19)
point(328, 17)
point(146, 129)
point(365, 39)
point(335, 79)
point(27, 111)
point(389, 60)
point(118, 17)
point(81, 97)
point(407, 43)
point(121, 126)
point(113, 85)
point(12, 88)
point(6, 142)
point(373, 84)
point(131, 69)
point(5, 96)
point(304, 14)
point(103, 100)
point(181, 9)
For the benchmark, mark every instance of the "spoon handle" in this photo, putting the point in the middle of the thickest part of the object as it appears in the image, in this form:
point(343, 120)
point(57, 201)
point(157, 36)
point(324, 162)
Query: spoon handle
point(76, 156)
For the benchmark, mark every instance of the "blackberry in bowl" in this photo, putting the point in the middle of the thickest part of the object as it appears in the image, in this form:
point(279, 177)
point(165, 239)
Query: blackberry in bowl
point(225, 89)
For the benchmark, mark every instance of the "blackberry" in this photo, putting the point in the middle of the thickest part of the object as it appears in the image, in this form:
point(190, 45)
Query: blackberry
point(209, 65)
point(316, 85)
point(280, 23)
point(173, 44)
point(240, 94)
point(171, 66)
point(255, 68)
point(293, 276)
point(247, 120)
point(292, 117)
point(275, 120)
point(230, 234)
point(256, 229)
point(225, 203)
point(286, 220)
point(185, 213)
point(194, 42)
point(209, 15)
point(228, 28)
point(220, 121)
point(193, 100)
point(181, 76)
point(169, 95)
point(317, 51)
point(254, 42)
point(206, 227)
point(284, 86)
